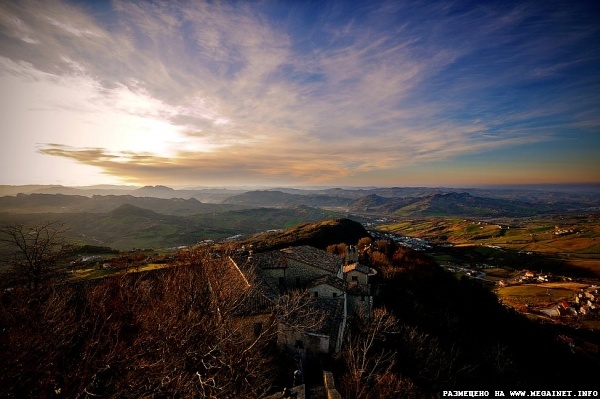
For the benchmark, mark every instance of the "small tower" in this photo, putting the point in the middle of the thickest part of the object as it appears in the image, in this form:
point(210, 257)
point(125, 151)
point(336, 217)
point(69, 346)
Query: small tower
point(351, 255)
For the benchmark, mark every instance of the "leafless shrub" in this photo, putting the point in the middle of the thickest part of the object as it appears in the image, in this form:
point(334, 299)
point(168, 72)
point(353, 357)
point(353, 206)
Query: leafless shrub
point(34, 251)
point(366, 360)
point(168, 333)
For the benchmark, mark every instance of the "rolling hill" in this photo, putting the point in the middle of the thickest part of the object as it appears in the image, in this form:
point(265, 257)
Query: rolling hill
point(451, 204)
point(434, 203)
point(129, 226)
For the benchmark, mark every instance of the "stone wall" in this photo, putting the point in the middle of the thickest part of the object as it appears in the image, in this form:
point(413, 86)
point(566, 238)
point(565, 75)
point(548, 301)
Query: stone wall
point(362, 278)
point(326, 291)
point(290, 339)
point(329, 383)
point(251, 326)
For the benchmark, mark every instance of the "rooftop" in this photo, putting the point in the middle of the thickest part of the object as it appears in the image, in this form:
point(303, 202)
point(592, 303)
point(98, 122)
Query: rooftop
point(268, 260)
point(255, 275)
point(358, 267)
point(254, 303)
point(314, 257)
point(329, 280)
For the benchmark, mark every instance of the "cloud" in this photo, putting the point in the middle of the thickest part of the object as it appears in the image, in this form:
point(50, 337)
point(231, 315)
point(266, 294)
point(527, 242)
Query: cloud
point(205, 91)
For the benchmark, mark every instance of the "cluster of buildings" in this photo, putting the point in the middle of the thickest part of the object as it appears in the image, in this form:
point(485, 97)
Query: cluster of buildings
point(587, 301)
point(561, 232)
point(529, 277)
point(338, 287)
point(584, 303)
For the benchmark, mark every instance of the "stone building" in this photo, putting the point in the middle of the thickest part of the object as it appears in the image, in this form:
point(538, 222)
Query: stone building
point(358, 291)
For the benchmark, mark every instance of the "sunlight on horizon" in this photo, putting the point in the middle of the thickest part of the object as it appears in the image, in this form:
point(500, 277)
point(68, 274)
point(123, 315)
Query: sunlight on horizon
point(264, 94)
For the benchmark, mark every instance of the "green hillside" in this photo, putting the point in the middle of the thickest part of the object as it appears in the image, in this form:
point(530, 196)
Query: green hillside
point(129, 226)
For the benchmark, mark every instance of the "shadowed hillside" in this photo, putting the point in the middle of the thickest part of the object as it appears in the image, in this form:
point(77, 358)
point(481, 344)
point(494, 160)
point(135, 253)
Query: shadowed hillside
point(319, 235)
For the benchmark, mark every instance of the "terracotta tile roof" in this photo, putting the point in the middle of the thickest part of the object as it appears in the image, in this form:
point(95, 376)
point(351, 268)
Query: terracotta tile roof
point(314, 257)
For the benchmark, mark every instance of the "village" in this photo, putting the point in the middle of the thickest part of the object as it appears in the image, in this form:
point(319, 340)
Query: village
point(585, 301)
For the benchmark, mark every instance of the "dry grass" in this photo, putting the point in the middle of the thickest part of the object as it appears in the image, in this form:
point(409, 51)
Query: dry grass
point(93, 273)
point(533, 294)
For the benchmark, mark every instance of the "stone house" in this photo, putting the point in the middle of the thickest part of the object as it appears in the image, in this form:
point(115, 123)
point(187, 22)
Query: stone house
point(358, 289)
point(327, 286)
point(359, 299)
point(357, 273)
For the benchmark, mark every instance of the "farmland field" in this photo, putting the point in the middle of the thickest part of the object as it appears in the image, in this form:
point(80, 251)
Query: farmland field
point(534, 294)
point(566, 242)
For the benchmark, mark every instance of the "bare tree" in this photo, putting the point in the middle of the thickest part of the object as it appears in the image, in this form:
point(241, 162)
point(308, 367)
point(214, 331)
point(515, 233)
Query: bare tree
point(34, 250)
point(365, 358)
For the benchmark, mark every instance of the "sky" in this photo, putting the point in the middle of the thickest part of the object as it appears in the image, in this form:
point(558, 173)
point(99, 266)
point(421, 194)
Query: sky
point(336, 93)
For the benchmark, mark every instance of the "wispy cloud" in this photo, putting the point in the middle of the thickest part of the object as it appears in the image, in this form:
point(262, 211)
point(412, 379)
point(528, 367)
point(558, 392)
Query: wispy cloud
point(198, 92)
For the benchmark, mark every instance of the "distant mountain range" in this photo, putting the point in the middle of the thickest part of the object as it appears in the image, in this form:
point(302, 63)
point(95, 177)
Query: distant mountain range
point(453, 204)
point(209, 195)
point(433, 204)
point(576, 194)
point(377, 201)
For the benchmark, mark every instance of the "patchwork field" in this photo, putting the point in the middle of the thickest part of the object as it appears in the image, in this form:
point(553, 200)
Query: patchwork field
point(566, 242)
